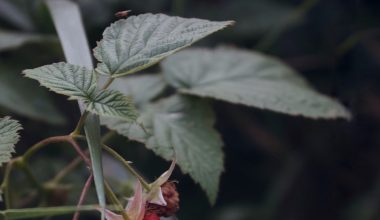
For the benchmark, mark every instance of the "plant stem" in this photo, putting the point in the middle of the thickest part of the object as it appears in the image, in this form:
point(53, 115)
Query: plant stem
point(28, 172)
point(36, 147)
point(108, 136)
point(57, 139)
point(83, 117)
point(127, 165)
point(5, 186)
point(82, 154)
point(111, 196)
point(108, 83)
point(86, 187)
point(66, 170)
point(80, 123)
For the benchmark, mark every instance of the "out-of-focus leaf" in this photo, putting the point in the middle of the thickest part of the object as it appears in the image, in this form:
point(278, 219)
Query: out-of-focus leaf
point(71, 80)
point(71, 31)
point(11, 40)
point(185, 124)
point(24, 97)
point(248, 78)
point(135, 43)
point(15, 16)
point(8, 138)
point(13, 214)
point(142, 88)
point(253, 17)
point(113, 104)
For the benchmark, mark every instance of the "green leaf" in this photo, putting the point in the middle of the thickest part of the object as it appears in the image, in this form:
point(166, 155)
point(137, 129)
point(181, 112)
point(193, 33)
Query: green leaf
point(8, 138)
point(114, 104)
point(26, 98)
point(135, 43)
point(28, 213)
point(142, 88)
point(248, 78)
point(185, 123)
point(71, 80)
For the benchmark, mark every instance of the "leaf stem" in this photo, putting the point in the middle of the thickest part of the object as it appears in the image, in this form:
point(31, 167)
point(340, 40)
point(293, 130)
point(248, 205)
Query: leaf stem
point(107, 83)
point(83, 117)
point(80, 124)
point(111, 196)
point(127, 165)
point(108, 136)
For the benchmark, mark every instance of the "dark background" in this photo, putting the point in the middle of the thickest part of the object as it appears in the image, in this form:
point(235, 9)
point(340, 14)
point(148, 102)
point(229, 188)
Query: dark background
point(276, 166)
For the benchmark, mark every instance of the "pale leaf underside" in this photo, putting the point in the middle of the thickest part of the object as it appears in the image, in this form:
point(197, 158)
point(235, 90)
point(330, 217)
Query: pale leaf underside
point(142, 88)
point(248, 78)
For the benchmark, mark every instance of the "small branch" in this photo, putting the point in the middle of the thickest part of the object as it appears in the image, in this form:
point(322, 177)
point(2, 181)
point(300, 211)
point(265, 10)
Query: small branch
point(127, 165)
point(5, 186)
point(82, 154)
point(80, 124)
point(32, 150)
point(111, 196)
point(86, 187)
point(66, 170)
point(28, 172)
point(108, 136)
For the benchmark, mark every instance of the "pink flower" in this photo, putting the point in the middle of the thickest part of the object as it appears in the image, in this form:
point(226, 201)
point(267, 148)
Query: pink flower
point(135, 209)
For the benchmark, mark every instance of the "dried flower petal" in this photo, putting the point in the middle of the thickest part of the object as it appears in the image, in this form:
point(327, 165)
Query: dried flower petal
point(155, 194)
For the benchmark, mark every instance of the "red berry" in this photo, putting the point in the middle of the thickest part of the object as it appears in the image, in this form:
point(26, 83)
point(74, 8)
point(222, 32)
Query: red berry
point(171, 196)
point(151, 216)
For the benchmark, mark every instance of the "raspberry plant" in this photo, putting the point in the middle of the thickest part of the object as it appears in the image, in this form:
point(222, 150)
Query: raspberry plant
point(174, 123)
